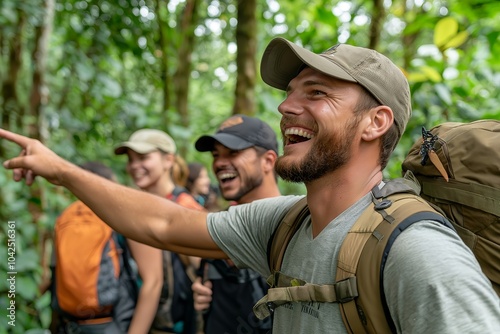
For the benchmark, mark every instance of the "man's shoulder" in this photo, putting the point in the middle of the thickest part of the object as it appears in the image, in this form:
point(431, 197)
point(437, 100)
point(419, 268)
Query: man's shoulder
point(281, 201)
point(271, 205)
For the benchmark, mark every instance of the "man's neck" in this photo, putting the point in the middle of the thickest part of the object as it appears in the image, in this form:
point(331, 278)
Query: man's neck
point(331, 195)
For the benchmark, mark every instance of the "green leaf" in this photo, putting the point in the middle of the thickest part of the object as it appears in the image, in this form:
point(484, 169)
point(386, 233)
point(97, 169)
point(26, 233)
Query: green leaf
point(445, 29)
point(38, 331)
point(85, 72)
point(456, 41)
point(431, 74)
point(444, 93)
point(110, 87)
point(417, 77)
point(42, 305)
point(27, 260)
point(26, 287)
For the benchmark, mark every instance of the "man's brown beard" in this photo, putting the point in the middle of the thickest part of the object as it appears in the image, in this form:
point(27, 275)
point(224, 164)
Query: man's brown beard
point(329, 153)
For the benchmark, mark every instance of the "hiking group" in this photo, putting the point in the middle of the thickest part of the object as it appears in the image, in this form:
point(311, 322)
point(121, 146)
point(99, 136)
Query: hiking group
point(244, 150)
point(344, 112)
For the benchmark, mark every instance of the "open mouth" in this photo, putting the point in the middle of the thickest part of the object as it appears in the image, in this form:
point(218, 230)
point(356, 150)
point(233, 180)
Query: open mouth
point(225, 177)
point(296, 135)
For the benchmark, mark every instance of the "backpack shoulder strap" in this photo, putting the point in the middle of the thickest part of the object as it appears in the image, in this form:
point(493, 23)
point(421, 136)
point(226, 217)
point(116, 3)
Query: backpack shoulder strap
point(176, 192)
point(284, 232)
point(188, 267)
point(365, 250)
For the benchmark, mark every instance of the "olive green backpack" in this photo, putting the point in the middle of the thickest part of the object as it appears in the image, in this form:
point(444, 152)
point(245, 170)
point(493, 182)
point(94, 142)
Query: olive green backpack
point(458, 168)
point(471, 205)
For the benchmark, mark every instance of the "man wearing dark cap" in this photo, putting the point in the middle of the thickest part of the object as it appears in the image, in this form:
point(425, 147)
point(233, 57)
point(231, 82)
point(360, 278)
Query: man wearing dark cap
point(244, 151)
point(344, 111)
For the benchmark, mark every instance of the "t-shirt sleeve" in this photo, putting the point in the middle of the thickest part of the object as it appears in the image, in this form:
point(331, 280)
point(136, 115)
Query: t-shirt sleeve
point(433, 284)
point(243, 231)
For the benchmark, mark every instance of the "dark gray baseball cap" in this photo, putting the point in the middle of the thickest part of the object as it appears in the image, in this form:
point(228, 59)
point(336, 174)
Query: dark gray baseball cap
point(240, 132)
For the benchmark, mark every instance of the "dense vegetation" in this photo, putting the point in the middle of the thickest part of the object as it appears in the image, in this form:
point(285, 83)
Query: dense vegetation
point(81, 75)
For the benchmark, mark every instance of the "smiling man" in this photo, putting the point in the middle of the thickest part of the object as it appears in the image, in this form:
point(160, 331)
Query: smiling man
point(344, 112)
point(244, 151)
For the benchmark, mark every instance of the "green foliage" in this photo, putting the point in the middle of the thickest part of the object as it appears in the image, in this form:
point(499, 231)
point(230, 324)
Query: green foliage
point(21, 262)
point(104, 80)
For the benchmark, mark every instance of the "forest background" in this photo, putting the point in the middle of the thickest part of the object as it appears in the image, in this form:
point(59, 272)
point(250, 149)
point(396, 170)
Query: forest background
point(82, 75)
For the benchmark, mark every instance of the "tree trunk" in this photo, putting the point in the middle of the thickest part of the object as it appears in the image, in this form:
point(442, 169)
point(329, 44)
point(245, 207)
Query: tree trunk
point(161, 14)
point(408, 39)
point(183, 72)
point(246, 40)
point(11, 107)
point(39, 94)
point(378, 18)
point(38, 98)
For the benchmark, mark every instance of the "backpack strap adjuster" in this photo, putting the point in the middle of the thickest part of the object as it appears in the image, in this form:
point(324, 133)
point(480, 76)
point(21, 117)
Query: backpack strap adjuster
point(271, 307)
point(346, 290)
point(384, 204)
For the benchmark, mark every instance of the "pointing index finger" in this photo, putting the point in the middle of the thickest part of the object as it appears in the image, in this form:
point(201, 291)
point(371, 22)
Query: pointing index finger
point(14, 137)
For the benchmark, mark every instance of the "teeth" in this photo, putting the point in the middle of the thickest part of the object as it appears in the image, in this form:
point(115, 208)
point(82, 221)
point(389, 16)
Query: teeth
point(298, 132)
point(223, 176)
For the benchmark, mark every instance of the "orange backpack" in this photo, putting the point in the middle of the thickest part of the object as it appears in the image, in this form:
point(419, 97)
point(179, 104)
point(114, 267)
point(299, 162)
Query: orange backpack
point(90, 265)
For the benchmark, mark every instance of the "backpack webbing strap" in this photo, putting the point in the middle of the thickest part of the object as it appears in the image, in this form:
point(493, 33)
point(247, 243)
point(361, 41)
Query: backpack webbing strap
point(178, 190)
point(289, 289)
point(474, 195)
point(188, 267)
point(284, 233)
point(166, 297)
point(369, 312)
point(366, 227)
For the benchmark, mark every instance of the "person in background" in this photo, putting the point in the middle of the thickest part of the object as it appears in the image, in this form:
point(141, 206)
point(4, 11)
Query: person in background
point(69, 230)
point(214, 201)
point(152, 164)
point(198, 182)
point(244, 150)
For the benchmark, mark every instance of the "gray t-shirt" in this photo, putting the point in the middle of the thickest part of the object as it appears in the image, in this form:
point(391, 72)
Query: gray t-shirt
point(432, 281)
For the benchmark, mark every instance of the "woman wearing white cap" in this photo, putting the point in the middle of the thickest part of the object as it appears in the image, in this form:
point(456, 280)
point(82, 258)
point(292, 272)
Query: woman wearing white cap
point(151, 163)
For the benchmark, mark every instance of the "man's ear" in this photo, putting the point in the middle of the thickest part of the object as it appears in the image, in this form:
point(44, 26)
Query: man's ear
point(380, 119)
point(268, 160)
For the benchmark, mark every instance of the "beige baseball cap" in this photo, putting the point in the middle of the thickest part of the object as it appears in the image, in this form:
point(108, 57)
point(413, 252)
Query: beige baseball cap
point(148, 140)
point(283, 60)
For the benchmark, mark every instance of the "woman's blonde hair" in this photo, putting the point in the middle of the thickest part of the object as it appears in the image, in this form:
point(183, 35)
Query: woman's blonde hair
point(180, 171)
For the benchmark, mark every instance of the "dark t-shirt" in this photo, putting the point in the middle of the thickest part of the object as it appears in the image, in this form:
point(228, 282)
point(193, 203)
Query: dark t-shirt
point(234, 294)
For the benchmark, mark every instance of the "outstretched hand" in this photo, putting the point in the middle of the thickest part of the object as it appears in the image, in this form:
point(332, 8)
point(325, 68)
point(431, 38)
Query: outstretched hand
point(34, 159)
